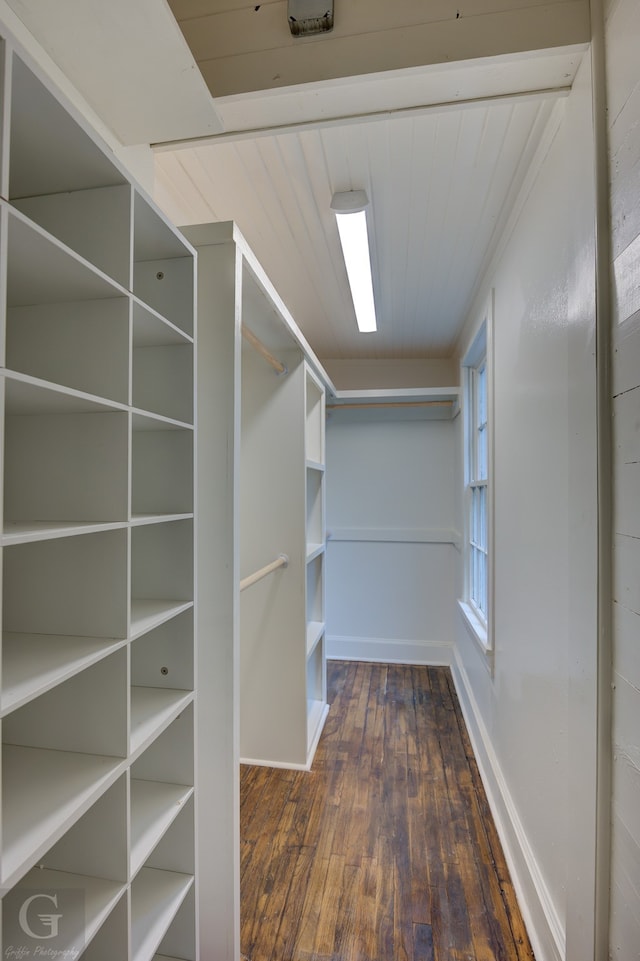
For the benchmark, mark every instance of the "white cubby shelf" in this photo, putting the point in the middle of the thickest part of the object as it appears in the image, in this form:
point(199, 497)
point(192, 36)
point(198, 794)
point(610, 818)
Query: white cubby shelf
point(97, 673)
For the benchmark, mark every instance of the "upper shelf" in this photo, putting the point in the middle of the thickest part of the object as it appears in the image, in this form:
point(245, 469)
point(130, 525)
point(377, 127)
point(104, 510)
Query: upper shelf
point(409, 403)
point(42, 128)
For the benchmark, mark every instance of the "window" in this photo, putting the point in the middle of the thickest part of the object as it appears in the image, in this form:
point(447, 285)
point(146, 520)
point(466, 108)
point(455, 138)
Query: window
point(476, 603)
point(477, 491)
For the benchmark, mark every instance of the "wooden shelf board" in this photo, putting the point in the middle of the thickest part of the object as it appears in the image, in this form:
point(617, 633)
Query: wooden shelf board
point(152, 710)
point(25, 532)
point(35, 663)
point(151, 329)
point(25, 394)
point(44, 793)
point(394, 395)
point(147, 420)
point(155, 238)
point(147, 614)
point(315, 630)
point(155, 898)
point(99, 898)
point(42, 270)
point(138, 520)
point(154, 805)
point(313, 551)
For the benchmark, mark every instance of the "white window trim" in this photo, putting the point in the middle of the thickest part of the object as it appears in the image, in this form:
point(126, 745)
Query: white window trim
point(481, 630)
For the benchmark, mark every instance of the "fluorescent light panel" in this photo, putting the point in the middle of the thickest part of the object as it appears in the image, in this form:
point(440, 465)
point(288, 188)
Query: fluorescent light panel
point(352, 227)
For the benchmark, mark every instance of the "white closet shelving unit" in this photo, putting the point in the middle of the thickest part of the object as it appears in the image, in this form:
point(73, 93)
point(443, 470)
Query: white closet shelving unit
point(97, 672)
point(278, 431)
point(316, 665)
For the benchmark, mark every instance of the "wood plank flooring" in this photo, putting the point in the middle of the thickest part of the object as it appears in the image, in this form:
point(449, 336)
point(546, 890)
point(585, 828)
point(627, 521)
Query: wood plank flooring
point(386, 850)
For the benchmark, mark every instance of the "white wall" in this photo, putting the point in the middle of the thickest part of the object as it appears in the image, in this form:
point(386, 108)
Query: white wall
point(532, 718)
point(391, 521)
point(623, 101)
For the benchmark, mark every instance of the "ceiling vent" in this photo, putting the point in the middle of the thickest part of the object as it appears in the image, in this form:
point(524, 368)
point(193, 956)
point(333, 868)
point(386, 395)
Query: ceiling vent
point(307, 17)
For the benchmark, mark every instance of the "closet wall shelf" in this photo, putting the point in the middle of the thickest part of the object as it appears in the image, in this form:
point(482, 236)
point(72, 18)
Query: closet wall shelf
point(156, 896)
point(97, 347)
point(154, 807)
point(44, 794)
point(26, 395)
point(147, 420)
point(152, 711)
point(315, 632)
point(35, 663)
point(61, 274)
point(149, 613)
point(313, 551)
point(151, 329)
point(139, 520)
point(411, 403)
point(99, 897)
point(25, 532)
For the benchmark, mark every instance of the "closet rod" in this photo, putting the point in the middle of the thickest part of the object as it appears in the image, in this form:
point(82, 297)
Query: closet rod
point(257, 344)
point(281, 561)
point(414, 403)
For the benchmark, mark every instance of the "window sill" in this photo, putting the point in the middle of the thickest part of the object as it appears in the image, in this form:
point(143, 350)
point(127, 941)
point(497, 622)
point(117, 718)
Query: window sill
point(477, 629)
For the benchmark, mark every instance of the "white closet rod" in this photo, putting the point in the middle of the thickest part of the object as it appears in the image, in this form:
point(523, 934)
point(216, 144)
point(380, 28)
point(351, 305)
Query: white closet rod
point(281, 561)
point(257, 344)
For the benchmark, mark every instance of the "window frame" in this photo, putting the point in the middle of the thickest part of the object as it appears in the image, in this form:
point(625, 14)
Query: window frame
point(476, 543)
point(476, 604)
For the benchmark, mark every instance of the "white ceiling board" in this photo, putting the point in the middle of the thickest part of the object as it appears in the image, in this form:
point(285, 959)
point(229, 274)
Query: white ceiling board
point(440, 184)
point(246, 46)
point(129, 61)
point(355, 97)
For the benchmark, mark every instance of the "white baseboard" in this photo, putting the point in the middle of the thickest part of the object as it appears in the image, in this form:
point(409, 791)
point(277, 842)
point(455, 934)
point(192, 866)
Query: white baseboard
point(544, 926)
point(290, 765)
point(283, 765)
point(316, 737)
point(388, 650)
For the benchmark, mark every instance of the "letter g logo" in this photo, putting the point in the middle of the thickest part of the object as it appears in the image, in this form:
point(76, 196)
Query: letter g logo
point(48, 921)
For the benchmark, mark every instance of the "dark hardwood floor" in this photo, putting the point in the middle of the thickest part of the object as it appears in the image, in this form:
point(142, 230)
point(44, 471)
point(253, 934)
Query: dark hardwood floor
point(386, 850)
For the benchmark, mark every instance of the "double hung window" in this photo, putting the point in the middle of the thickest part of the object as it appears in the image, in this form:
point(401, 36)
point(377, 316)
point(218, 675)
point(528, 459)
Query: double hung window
point(476, 601)
point(477, 461)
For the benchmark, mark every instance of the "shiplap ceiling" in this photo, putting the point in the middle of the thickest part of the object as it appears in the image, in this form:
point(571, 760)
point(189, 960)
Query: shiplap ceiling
point(440, 182)
point(435, 109)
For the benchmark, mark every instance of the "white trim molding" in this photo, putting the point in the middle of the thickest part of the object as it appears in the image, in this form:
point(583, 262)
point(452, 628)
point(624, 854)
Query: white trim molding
point(386, 650)
point(544, 926)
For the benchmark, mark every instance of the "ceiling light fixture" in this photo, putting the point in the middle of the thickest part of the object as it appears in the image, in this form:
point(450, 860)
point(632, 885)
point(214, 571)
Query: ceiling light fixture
point(307, 17)
point(350, 209)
